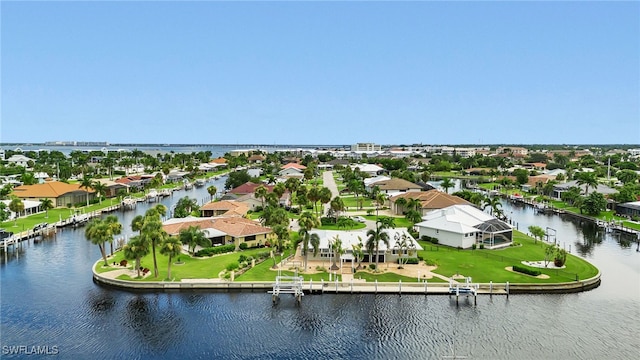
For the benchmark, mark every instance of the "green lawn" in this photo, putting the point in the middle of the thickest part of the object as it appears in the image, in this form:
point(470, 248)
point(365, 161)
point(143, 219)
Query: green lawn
point(351, 202)
point(489, 265)
point(356, 226)
point(400, 222)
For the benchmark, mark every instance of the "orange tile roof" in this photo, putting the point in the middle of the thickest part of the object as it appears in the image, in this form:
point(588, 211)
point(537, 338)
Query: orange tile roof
point(219, 161)
point(226, 205)
point(233, 226)
point(432, 199)
point(293, 166)
point(52, 189)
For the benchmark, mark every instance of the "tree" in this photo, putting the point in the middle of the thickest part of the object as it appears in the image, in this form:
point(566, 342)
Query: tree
point(627, 176)
point(87, 184)
point(308, 221)
point(152, 232)
point(100, 231)
point(588, 180)
point(100, 189)
point(549, 251)
point(337, 205)
point(192, 237)
point(237, 178)
point(374, 236)
point(274, 215)
point(282, 234)
point(403, 245)
point(4, 214)
point(324, 196)
point(313, 194)
point(261, 193)
point(537, 232)
point(400, 203)
point(135, 249)
point(413, 216)
point(336, 247)
point(594, 203)
point(446, 184)
point(358, 252)
point(522, 176)
point(185, 206)
point(380, 199)
point(170, 247)
point(494, 203)
point(16, 206)
point(136, 223)
point(46, 204)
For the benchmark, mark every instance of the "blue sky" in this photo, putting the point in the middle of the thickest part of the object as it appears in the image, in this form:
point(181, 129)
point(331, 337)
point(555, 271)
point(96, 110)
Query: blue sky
point(321, 72)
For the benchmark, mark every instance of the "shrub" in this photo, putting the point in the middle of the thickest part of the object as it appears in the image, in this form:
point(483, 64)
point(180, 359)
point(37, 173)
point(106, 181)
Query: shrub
point(409, 261)
point(430, 262)
point(372, 266)
point(243, 246)
point(524, 270)
point(473, 247)
point(481, 246)
point(242, 258)
point(321, 269)
point(216, 250)
point(327, 221)
point(232, 266)
point(123, 263)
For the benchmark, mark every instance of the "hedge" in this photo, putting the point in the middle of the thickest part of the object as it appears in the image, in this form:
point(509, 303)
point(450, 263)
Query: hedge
point(216, 250)
point(527, 271)
point(409, 261)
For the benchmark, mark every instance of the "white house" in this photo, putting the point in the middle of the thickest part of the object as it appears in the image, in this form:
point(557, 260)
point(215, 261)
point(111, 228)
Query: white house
point(370, 169)
point(351, 238)
point(19, 160)
point(465, 225)
point(395, 186)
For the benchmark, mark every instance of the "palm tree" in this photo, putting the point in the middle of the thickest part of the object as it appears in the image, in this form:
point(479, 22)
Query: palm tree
point(308, 221)
point(17, 206)
point(446, 184)
point(380, 199)
point(337, 205)
point(400, 203)
point(336, 247)
point(282, 234)
point(357, 252)
point(588, 180)
point(192, 237)
point(136, 223)
point(100, 188)
point(373, 241)
point(313, 195)
point(136, 249)
point(100, 231)
point(170, 247)
point(261, 193)
point(212, 190)
point(46, 204)
point(324, 196)
point(414, 204)
point(87, 184)
point(185, 206)
point(152, 232)
point(404, 245)
point(494, 203)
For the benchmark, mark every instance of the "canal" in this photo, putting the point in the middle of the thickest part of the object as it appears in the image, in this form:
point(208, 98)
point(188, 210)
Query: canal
point(48, 300)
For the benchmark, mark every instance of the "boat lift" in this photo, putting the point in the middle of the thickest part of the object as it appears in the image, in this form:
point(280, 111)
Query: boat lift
point(287, 285)
point(466, 289)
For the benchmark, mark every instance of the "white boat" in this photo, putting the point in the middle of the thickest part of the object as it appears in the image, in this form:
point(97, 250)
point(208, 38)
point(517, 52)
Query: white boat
point(78, 219)
point(153, 195)
point(164, 192)
point(188, 185)
point(199, 183)
point(129, 203)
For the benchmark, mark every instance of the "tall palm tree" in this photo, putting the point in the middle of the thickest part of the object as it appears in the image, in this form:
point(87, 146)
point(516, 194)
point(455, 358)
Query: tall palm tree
point(446, 184)
point(100, 231)
point(324, 196)
point(136, 223)
point(100, 189)
point(192, 237)
point(400, 203)
point(46, 204)
point(308, 221)
point(374, 236)
point(170, 247)
point(336, 247)
point(380, 199)
point(337, 205)
point(87, 184)
point(494, 203)
point(152, 232)
point(282, 234)
point(588, 180)
point(414, 204)
point(212, 190)
point(261, 193)
point(17, 206)
point(313, 194)
point(135, 249)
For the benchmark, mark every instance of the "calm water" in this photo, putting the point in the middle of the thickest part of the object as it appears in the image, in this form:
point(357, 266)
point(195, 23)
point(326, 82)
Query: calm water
point(48, 299)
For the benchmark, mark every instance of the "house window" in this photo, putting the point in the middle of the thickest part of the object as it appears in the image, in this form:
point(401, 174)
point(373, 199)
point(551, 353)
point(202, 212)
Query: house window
point(250, 238)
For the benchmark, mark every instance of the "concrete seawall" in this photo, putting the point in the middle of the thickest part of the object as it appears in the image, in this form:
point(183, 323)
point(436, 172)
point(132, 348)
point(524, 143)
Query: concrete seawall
point(315, 287)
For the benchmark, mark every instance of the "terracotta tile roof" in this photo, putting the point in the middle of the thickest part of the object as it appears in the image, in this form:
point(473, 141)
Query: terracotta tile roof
point(293, 166)
point(52, 189)
point(219, 161)
point(249, 188)
point(233, 226)
point(432, 199)
point(226, 205)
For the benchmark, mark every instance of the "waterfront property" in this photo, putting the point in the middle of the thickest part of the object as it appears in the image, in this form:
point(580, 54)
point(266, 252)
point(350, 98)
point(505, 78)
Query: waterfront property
point(463, 226)
point(349, 239)
point(224, 230)
point(61, 193)
point(429, 201)
point(224, 207)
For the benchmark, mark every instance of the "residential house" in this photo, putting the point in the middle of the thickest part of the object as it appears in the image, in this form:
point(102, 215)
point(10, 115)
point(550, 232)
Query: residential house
point(395, 186)
point(136, 182)
point(629, 209)
point(429, 200)
point(224, 208)
point(369, 169)
point(19, 160)
point(256, 159)
point(30, 207)
point(461, 226)
point(62, 194)
point(113, 187)
point(350, 238)
point(224, 230)
point(249, 188)
point(561, 188)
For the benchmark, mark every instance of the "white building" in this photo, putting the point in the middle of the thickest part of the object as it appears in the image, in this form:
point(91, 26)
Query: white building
point(366, 147)
point(19, 160)
point(464, 225)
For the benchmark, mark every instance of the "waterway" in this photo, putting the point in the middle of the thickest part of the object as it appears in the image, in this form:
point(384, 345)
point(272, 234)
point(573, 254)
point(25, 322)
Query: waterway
point(48, 299)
